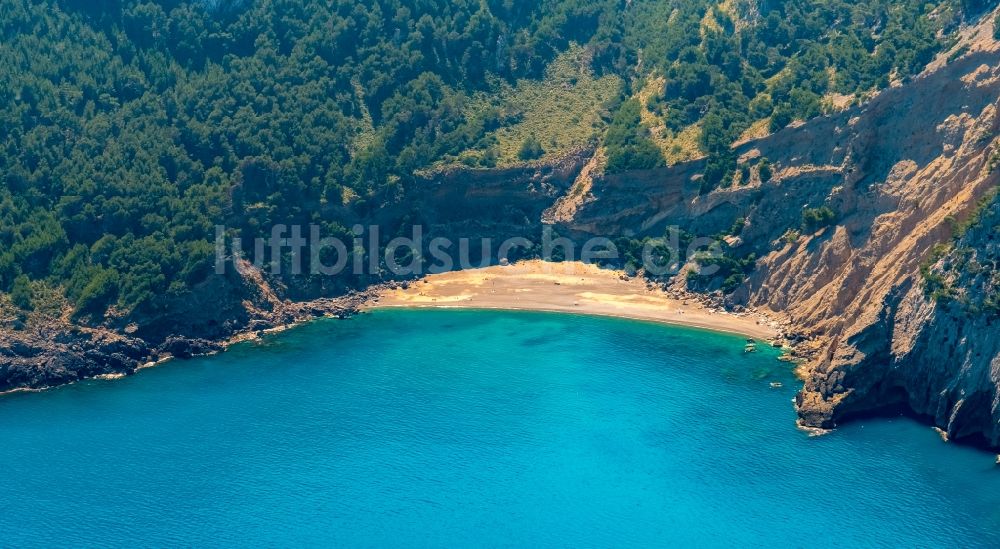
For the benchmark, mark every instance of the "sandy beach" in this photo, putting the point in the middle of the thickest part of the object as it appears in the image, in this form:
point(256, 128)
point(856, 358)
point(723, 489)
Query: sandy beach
point(567, 287)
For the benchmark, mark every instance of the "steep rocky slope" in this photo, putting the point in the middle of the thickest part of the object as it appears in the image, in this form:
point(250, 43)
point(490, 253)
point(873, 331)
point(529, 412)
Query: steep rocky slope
point(936, 352)
point(900, 173)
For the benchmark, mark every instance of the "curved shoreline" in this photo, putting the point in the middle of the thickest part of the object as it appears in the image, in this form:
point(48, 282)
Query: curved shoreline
point(664, 322)
point(565, 288)
point(575, 288)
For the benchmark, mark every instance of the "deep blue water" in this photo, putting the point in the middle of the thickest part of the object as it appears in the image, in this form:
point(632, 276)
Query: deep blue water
point(454, 428)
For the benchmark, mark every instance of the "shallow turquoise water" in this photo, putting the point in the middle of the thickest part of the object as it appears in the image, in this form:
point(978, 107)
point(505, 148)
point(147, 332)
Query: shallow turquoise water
point(452, 428)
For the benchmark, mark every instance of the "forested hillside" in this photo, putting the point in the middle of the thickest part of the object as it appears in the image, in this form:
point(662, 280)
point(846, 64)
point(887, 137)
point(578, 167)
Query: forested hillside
point(132, 128)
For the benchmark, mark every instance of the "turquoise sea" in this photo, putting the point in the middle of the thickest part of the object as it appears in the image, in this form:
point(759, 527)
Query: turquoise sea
point(475, 428)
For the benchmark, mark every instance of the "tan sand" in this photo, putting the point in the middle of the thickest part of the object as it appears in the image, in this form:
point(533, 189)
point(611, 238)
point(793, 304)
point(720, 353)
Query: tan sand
point(567, 287)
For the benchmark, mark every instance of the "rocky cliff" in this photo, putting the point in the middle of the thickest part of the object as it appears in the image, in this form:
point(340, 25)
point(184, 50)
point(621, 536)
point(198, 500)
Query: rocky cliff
point(899, 174)
point(934, 347)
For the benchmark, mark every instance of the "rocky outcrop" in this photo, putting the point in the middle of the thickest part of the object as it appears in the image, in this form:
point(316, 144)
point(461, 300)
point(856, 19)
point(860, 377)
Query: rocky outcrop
point(54, 357)
point(44, 351)
point(935, 347)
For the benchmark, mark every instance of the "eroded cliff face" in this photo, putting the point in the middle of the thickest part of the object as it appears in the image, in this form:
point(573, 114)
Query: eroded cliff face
point(943, 360)
point(493, 203)
point(900, 172)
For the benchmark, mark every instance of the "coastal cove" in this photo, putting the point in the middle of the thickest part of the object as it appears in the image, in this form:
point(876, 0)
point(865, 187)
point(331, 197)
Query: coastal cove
point(437, 426)
point(572, 273)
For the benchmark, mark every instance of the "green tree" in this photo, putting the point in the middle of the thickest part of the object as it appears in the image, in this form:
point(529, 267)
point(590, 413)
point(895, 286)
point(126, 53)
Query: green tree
point(765, 171)
point(627, 142)
point(531, 149)
point(814, 219)
point(21, 293)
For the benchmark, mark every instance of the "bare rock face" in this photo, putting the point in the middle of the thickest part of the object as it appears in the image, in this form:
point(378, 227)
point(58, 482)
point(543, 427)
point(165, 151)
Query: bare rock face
point(901, 173)
point(501, 198)
point(935, 348)
point(859, 283)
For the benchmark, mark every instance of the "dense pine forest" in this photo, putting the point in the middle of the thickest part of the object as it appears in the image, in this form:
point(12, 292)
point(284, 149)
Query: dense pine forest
point(131, 128)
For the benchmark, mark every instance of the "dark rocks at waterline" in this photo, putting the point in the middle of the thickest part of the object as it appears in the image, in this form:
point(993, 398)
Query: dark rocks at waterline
point(51, 353)
point(34, 362)
point(183, 347)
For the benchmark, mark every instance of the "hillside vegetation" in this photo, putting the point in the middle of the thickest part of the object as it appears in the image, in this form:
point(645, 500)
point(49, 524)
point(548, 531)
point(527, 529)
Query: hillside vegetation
point(132, 128)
